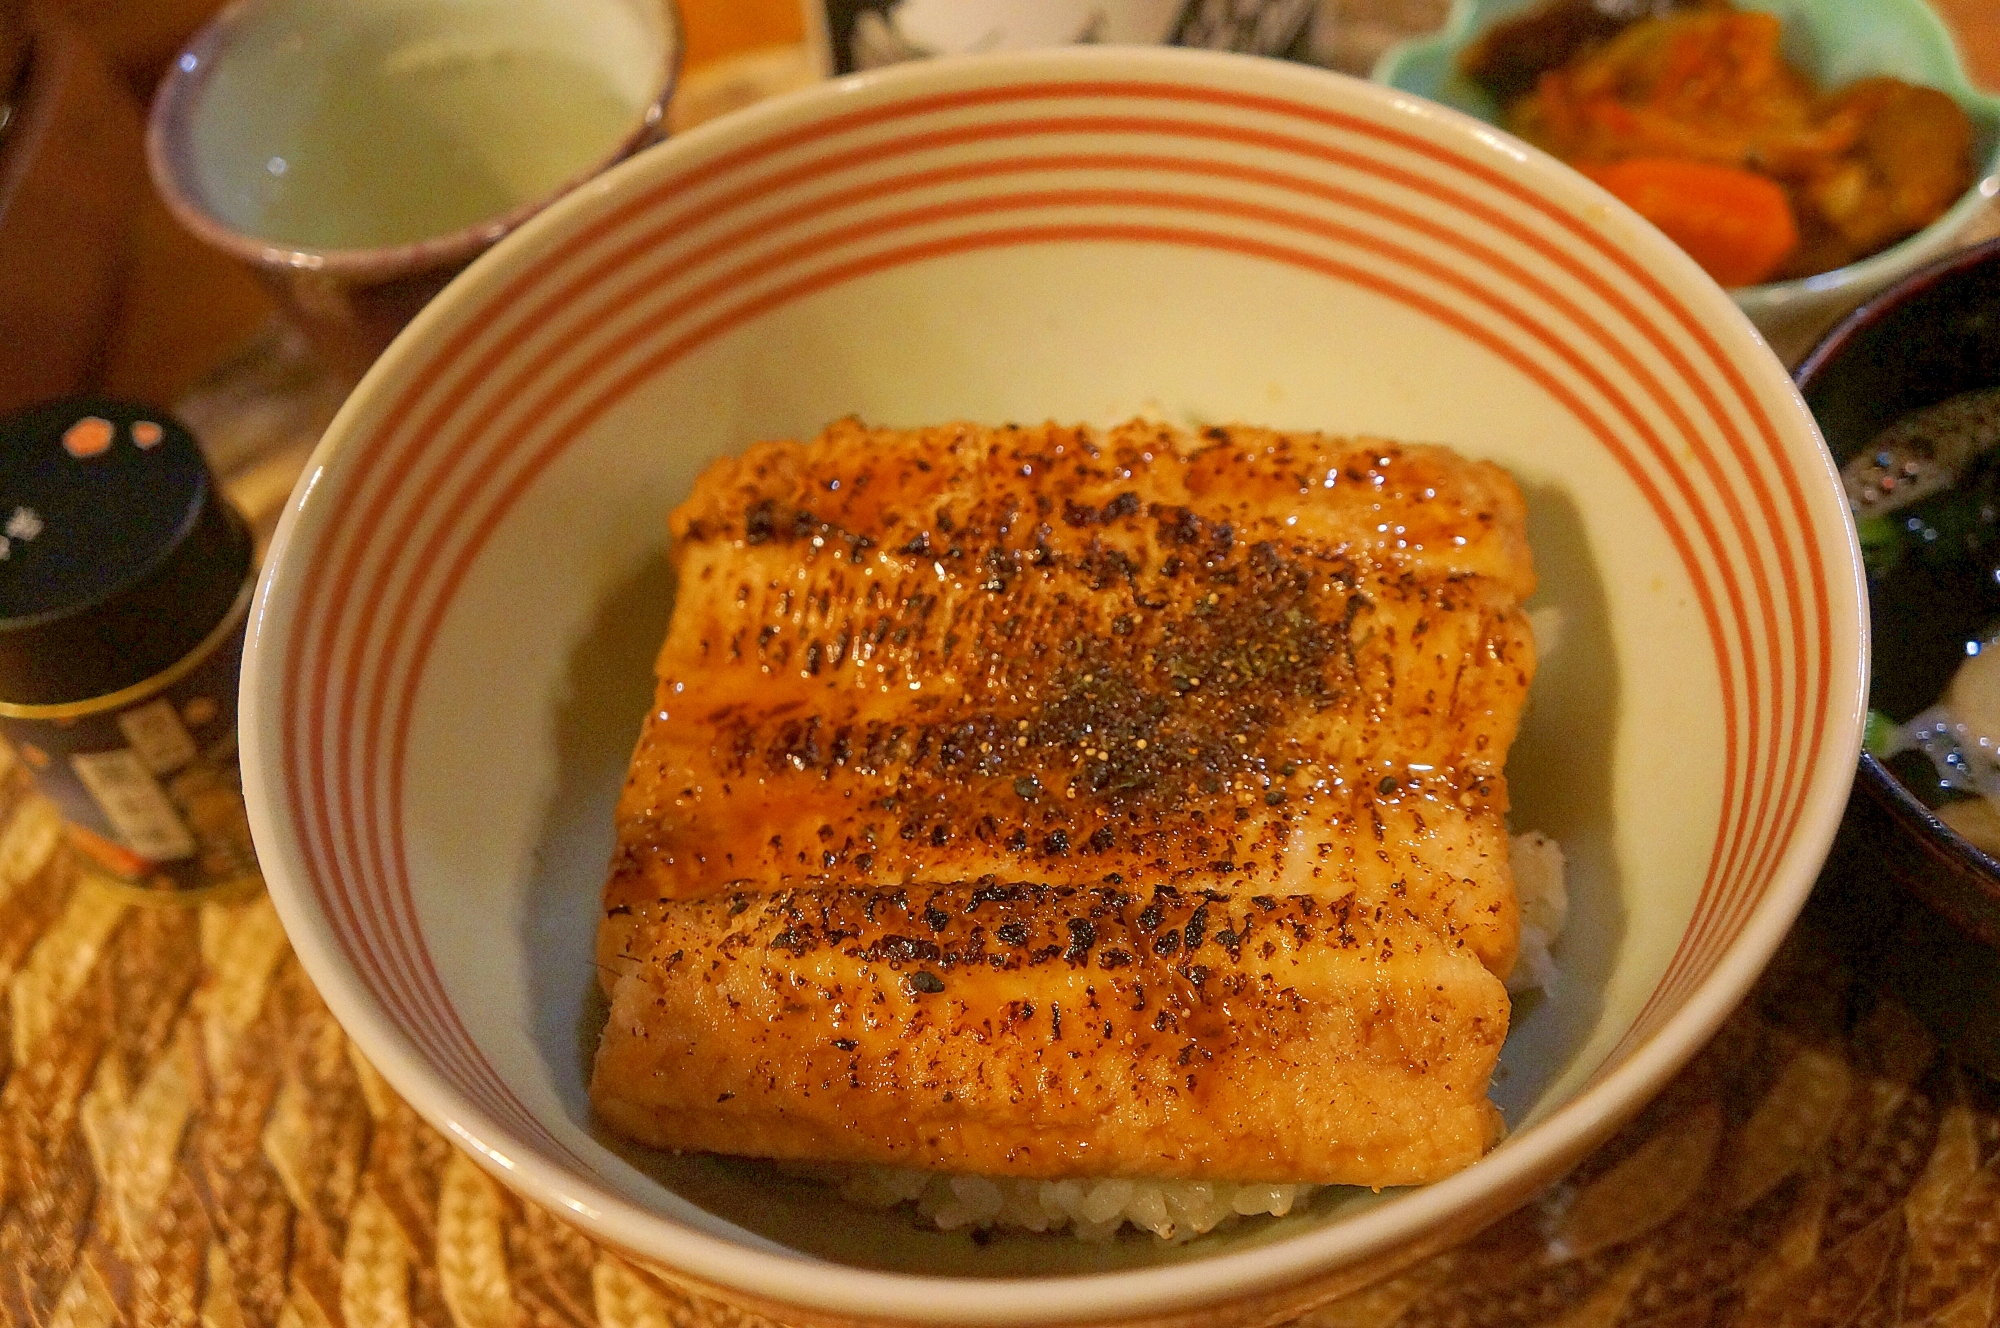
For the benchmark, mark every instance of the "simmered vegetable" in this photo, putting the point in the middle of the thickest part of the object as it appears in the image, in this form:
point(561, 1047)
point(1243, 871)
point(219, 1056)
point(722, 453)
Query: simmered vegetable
point(1509, 57)
point(1906, 157)
point(1796, 182)
point(1735, 223)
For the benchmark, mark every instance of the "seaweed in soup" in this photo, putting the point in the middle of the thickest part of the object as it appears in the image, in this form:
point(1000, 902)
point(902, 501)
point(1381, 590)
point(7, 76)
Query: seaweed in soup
point(1926, 497)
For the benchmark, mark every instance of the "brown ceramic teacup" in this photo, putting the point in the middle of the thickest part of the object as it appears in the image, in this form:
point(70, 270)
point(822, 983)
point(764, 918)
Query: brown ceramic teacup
point(360, 155)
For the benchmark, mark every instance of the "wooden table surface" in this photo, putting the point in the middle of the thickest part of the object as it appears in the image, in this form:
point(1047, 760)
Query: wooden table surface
point(185, 308)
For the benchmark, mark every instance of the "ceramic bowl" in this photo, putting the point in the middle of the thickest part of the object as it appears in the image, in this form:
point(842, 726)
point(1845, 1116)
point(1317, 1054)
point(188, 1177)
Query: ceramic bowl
point(1932, 336)
point(1833, 41)
point(450, 654)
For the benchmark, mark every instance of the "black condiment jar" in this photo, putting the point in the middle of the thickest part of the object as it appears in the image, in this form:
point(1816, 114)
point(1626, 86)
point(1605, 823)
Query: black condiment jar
point(125, 580)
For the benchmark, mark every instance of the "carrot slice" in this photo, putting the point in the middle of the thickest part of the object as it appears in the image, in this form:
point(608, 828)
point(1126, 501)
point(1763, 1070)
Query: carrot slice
point(1737, 225)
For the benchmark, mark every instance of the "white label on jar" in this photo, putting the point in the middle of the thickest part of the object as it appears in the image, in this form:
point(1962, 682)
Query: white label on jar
point(158, 736)
point(135, 804)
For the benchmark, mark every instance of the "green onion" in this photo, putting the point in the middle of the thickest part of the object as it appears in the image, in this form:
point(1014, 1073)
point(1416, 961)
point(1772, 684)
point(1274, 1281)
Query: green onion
point(1881, 543)
point(1878, 736)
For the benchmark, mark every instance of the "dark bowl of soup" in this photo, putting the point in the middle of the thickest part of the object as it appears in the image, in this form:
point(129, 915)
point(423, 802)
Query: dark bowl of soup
point(1907, 394)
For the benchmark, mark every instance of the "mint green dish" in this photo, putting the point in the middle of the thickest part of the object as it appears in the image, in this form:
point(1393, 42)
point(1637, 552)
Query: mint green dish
point(1835, 41)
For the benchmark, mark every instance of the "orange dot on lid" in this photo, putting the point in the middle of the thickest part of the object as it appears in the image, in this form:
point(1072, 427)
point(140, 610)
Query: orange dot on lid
point(147, 434)
point(88, 437)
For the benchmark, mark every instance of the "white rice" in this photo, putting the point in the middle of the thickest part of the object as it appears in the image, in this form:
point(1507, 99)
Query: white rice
point(1092, 1210)
point(1538, 883)
point(1177, 1210)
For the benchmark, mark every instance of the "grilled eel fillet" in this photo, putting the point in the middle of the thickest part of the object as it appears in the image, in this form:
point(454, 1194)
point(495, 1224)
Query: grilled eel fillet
point(1046, 801)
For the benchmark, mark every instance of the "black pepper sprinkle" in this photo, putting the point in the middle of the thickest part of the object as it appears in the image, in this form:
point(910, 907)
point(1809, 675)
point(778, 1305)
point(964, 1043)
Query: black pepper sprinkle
point(1197, 927)
point(902, 949)
point(724, 1097)
point(1275, 798)
point(1387, 786)
point(1013, 933)
point(1028, 788)
point(1167, 942)
point(845, 1044)
point(1082, 935)
point(927, 982)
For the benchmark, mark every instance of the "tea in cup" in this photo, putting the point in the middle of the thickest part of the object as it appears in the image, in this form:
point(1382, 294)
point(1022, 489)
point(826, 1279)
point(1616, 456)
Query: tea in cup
point(361, 154)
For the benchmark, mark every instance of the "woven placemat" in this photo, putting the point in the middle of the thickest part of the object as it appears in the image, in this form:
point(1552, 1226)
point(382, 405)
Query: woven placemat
point(187, 1136)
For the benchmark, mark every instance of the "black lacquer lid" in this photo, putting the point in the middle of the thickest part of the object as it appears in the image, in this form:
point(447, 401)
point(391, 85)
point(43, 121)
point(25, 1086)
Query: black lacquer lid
point(118, 556)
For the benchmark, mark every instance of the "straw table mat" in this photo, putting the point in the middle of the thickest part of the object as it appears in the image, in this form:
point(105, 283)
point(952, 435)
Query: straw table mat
point(186, 1136)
